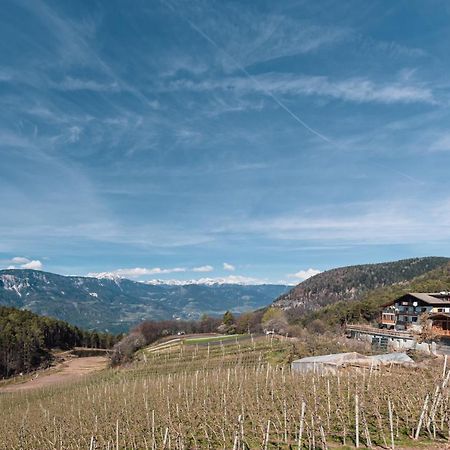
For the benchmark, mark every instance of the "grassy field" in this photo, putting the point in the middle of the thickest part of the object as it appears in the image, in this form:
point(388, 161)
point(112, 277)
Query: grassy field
point(235, 395)
point(215, 339)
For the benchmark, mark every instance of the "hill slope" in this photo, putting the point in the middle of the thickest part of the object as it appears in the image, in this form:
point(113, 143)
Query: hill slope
point(351, 283)
point(116, 304)
point(368, 307)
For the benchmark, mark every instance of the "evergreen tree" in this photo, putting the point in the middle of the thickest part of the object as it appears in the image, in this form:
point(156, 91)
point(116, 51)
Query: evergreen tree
point(228, 319)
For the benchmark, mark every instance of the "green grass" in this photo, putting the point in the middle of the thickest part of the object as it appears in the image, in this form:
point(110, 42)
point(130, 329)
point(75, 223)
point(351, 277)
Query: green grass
point(225, 337)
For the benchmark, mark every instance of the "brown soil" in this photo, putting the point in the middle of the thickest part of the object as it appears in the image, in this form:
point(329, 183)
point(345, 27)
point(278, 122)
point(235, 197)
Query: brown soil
point(70, 370)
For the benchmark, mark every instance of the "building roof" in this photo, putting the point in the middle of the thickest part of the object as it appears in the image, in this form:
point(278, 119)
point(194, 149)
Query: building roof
point(333, 358)
point(439, 315)
point(393, 357)
point(431, 298)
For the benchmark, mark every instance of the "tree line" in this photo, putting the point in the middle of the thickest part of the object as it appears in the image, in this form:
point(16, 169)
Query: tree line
point(316, 336)
point(26, 340)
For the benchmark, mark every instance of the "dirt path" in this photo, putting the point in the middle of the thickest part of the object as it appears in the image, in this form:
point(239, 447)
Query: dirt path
point(70, 370)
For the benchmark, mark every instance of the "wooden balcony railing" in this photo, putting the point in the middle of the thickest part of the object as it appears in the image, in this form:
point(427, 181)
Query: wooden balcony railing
point(373, 330)
point(440, 331)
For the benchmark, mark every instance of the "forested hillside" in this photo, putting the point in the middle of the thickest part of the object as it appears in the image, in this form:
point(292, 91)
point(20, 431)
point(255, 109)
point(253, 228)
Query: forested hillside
point(352, 283)
point(368, 307)
point(26, 340)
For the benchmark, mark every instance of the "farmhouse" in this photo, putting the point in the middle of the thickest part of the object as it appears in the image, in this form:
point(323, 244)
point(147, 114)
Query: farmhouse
point(412, 311)
point(414, 321)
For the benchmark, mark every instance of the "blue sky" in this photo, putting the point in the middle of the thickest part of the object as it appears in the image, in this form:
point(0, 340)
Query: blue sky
point(251, 140)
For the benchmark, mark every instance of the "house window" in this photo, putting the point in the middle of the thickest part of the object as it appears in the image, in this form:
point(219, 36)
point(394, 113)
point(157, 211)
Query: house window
point(414, 319)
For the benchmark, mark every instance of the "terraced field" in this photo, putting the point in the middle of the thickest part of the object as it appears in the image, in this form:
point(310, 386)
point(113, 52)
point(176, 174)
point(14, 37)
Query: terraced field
point(235, 394)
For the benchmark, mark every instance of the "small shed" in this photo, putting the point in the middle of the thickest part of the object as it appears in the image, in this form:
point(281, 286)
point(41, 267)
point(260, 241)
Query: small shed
point(393, 358)
point(324, 363)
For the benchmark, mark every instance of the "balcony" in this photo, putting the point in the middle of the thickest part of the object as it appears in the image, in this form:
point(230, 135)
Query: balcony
point(440, 332)
point(388, 321)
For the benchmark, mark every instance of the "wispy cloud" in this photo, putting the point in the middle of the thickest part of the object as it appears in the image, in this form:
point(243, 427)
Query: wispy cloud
point(5, 74)
point(74, 42)
point(264, 38)
point(441, 143)
point(77, 84)
point(229, 267)
point(251, 36)
point(394, 222)
point(358, 89)
point(175, 145)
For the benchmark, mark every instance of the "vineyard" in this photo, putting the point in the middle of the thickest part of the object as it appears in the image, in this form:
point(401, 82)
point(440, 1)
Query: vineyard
point(238, 394)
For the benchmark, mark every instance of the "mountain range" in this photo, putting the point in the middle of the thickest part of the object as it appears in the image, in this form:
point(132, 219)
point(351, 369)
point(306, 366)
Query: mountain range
point(115, 304)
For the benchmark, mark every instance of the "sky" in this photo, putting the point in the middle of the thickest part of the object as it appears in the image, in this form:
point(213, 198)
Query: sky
point(248, 141)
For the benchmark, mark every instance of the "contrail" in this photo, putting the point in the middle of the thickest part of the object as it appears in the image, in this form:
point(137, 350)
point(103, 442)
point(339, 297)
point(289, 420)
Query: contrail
point(249, 76)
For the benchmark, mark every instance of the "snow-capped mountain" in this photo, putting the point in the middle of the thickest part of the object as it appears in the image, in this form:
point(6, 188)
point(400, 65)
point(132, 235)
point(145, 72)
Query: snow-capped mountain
point(232, 279)
point(112, 303)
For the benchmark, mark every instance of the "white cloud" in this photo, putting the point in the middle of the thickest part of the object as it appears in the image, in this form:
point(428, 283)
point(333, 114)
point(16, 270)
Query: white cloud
point(303, 275)
point(35, 264)
point(228, 267)
point(206, 268)
point(20, 260)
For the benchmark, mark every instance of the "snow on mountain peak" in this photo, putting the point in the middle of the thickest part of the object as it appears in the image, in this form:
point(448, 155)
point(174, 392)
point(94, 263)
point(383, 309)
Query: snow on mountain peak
point(12, 283)
point(231, 279)
point(105, 276)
